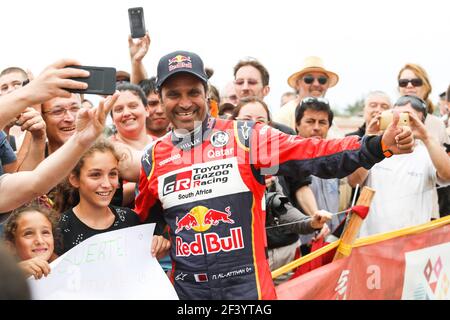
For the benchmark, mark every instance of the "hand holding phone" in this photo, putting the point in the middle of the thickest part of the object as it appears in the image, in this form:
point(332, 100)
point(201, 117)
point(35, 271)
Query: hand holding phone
point(137, 22)
point(387, 116)
point(101, 80)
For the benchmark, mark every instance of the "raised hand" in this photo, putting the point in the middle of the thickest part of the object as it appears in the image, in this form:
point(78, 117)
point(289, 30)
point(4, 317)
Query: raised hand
point(374, 125)
point(418, 127)
point(32, 121)
point(91, 122)
point(138, 49)
point(54, 82)
point(398, 139)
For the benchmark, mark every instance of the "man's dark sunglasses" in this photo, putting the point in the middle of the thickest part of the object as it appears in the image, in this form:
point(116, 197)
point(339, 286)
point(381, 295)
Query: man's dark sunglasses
point(310, 79)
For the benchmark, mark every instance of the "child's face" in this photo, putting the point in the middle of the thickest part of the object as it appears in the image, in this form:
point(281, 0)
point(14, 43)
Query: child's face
point(99, 179)
point(34, 236)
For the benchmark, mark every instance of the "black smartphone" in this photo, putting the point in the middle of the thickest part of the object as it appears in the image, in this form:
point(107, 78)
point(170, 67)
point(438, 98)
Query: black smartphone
point(101, 80)
point(137, 22)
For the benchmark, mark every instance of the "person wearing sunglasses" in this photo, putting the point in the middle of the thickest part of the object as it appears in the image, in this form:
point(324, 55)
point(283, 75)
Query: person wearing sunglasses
point(313, 80)
point(251, 80)
point(414, 80)
point(404, 185)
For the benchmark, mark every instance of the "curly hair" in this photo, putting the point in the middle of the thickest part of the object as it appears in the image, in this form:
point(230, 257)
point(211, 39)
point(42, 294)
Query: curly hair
point(11, 224)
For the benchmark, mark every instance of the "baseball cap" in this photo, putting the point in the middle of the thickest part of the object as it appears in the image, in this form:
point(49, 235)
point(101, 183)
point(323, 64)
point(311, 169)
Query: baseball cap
point(180, 61)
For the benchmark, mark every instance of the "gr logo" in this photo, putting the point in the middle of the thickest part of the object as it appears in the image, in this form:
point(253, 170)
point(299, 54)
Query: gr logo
point(177, 182)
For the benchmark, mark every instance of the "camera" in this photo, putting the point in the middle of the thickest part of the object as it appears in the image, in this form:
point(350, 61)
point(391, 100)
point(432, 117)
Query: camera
point(275, 204)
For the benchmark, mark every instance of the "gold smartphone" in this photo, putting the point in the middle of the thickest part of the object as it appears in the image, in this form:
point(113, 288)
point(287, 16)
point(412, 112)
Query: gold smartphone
point(387, 116)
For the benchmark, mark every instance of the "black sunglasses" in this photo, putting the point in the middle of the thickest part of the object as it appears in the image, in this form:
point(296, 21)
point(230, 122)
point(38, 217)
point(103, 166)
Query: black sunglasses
point(416, 102)
point(416, 82)
point(311, 100)
point(310, 79)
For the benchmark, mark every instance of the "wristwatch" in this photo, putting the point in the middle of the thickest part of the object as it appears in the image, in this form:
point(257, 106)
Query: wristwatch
point(386, 152)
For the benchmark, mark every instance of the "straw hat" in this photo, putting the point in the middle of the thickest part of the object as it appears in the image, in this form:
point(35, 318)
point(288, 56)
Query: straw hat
point(313, 64)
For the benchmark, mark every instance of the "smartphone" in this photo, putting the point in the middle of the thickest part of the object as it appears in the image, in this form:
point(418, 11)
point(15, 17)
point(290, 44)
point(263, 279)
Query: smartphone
point(101, 80)
point(137, 22)
point(387, 116)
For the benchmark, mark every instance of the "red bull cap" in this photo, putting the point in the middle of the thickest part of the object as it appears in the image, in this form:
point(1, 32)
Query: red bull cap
point(180, 61)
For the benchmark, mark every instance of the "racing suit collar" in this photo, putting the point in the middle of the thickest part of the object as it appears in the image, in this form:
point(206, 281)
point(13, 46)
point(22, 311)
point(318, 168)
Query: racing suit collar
point(195, 137)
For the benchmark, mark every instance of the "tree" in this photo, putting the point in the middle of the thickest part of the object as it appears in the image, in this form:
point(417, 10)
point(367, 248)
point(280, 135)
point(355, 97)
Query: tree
point(355, 108)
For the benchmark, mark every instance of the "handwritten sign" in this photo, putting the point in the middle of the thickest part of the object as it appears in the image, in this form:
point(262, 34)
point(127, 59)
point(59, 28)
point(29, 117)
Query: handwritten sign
point(110, 265)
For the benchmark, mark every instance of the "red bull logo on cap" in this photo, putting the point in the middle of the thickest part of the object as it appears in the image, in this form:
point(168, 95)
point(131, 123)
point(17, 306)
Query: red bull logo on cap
point(200, 219)
point(180, 61)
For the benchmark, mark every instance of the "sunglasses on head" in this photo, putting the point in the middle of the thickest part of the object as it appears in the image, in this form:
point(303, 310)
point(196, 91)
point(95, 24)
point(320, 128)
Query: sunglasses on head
point(310, 79)
point(416, 102)
point(416, 82)
point(311, 100)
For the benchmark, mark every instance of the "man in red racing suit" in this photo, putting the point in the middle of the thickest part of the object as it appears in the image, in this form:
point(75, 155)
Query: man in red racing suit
point(210, 186)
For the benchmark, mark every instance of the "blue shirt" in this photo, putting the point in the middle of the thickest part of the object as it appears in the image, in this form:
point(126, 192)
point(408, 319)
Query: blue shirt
point(7, 154)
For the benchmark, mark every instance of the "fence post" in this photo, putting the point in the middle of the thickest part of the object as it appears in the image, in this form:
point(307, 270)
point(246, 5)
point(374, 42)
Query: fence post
point(349, 235)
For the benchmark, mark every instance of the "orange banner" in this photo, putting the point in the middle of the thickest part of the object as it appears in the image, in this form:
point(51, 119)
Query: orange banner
point(413, 266)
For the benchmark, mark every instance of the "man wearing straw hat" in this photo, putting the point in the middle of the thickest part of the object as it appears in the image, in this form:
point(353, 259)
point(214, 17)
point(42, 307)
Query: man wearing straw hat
point(313, 80)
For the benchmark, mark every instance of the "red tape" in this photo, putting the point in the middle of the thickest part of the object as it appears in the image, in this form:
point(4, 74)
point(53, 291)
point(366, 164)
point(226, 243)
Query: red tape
point(361, 211)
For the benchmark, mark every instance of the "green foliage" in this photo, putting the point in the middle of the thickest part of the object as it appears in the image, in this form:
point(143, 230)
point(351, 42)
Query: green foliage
point(355, 108)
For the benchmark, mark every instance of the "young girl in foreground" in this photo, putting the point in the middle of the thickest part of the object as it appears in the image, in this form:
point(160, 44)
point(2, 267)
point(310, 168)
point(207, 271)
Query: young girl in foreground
point(29, 232)
point(93, 183)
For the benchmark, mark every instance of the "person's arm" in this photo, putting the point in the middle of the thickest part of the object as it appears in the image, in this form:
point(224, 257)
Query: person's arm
point(357, 177)
point(128, 195)
point(31, 120)
point(138, 50)
point(360, 175)
point(52, 170)
point(130, 161)
point(334, 158)
point(7, 157)
point(52, 82)
point(305, 224)
point(306, 199)
point(146, 201)
point(439, 157)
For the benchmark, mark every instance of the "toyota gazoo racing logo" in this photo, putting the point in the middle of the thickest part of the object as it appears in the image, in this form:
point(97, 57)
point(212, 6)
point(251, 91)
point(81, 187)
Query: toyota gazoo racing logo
point(196, 177)
point(201, 219)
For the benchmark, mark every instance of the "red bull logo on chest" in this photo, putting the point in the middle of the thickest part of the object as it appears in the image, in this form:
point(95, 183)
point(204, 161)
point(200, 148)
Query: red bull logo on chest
point(201, 219)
